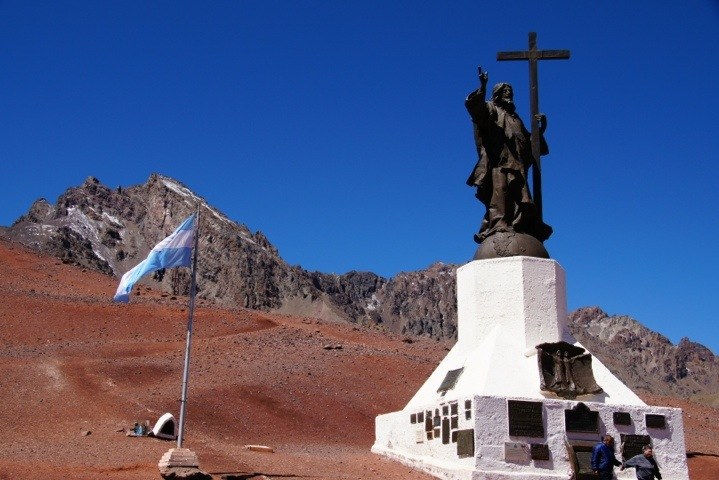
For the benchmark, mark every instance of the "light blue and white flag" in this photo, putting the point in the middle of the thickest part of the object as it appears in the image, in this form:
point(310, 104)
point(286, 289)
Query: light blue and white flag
point(173, 251)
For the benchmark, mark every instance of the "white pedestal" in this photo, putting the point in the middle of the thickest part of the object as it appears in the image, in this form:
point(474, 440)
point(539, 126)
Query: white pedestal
point(506, 307)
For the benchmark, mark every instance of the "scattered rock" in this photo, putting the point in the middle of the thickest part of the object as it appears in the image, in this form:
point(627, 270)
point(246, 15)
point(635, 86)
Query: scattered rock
point(260, 448)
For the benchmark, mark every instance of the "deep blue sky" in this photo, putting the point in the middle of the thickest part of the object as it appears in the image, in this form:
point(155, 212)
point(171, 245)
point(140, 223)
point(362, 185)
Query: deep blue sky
point(338, 129)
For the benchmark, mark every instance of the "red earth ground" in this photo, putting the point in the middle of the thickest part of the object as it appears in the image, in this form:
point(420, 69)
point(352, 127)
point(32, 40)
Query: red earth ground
point(77, 371)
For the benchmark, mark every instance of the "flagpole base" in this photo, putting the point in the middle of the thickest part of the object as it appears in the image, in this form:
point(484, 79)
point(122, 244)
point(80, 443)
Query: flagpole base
point(181, 463)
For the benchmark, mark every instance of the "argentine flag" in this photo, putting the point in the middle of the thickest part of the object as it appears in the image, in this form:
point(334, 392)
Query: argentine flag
point(173, 251)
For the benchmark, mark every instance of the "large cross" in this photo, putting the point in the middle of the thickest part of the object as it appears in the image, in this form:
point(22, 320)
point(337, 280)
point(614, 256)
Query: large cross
point(533, 55)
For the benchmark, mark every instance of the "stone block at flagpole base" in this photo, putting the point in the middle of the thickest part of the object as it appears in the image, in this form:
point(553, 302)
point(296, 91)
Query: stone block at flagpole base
point(181, 463)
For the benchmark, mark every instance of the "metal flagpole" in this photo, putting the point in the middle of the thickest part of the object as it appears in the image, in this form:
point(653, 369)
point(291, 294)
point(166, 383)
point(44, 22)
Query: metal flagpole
point(186, 373)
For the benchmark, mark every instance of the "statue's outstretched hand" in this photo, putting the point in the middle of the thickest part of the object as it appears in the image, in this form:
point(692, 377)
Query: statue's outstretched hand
point(483, 77)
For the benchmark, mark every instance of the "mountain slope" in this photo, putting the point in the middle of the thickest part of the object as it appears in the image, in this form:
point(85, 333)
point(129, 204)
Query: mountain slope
point(111, 230)
point(646, 360)
point(76, 372)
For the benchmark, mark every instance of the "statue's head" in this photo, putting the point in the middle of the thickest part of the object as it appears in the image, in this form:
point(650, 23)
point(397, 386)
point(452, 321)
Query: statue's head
point(503, 94)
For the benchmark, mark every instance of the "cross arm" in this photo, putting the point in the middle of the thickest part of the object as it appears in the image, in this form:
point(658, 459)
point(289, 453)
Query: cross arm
point(534, 54)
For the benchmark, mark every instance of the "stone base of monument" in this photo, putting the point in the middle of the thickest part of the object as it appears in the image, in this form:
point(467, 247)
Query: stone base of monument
point(181, 463)
point(498, 407)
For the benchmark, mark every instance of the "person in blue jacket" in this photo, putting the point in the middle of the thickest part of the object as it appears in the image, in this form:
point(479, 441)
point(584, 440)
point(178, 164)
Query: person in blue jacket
point(647, 468)
point(603, 459)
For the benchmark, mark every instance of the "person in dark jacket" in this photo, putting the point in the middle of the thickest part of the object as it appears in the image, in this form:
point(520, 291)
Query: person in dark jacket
point(603, 459)
point(646, 466)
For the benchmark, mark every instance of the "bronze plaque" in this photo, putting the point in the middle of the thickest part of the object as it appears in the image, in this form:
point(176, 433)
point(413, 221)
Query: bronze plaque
point(539, 451)
point(656, 421)
point(445, 431)
point(566, 370)
point(622, 418)
point(450, 380)
point(583, 459)
point(584, 462)
point(632, 445)
point(515, 452)
point(581, 419)
point(465, 443)
point(525, 418)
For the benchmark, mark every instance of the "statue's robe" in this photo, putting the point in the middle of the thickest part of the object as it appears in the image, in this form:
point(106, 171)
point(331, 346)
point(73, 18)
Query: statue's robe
point(504, 153)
